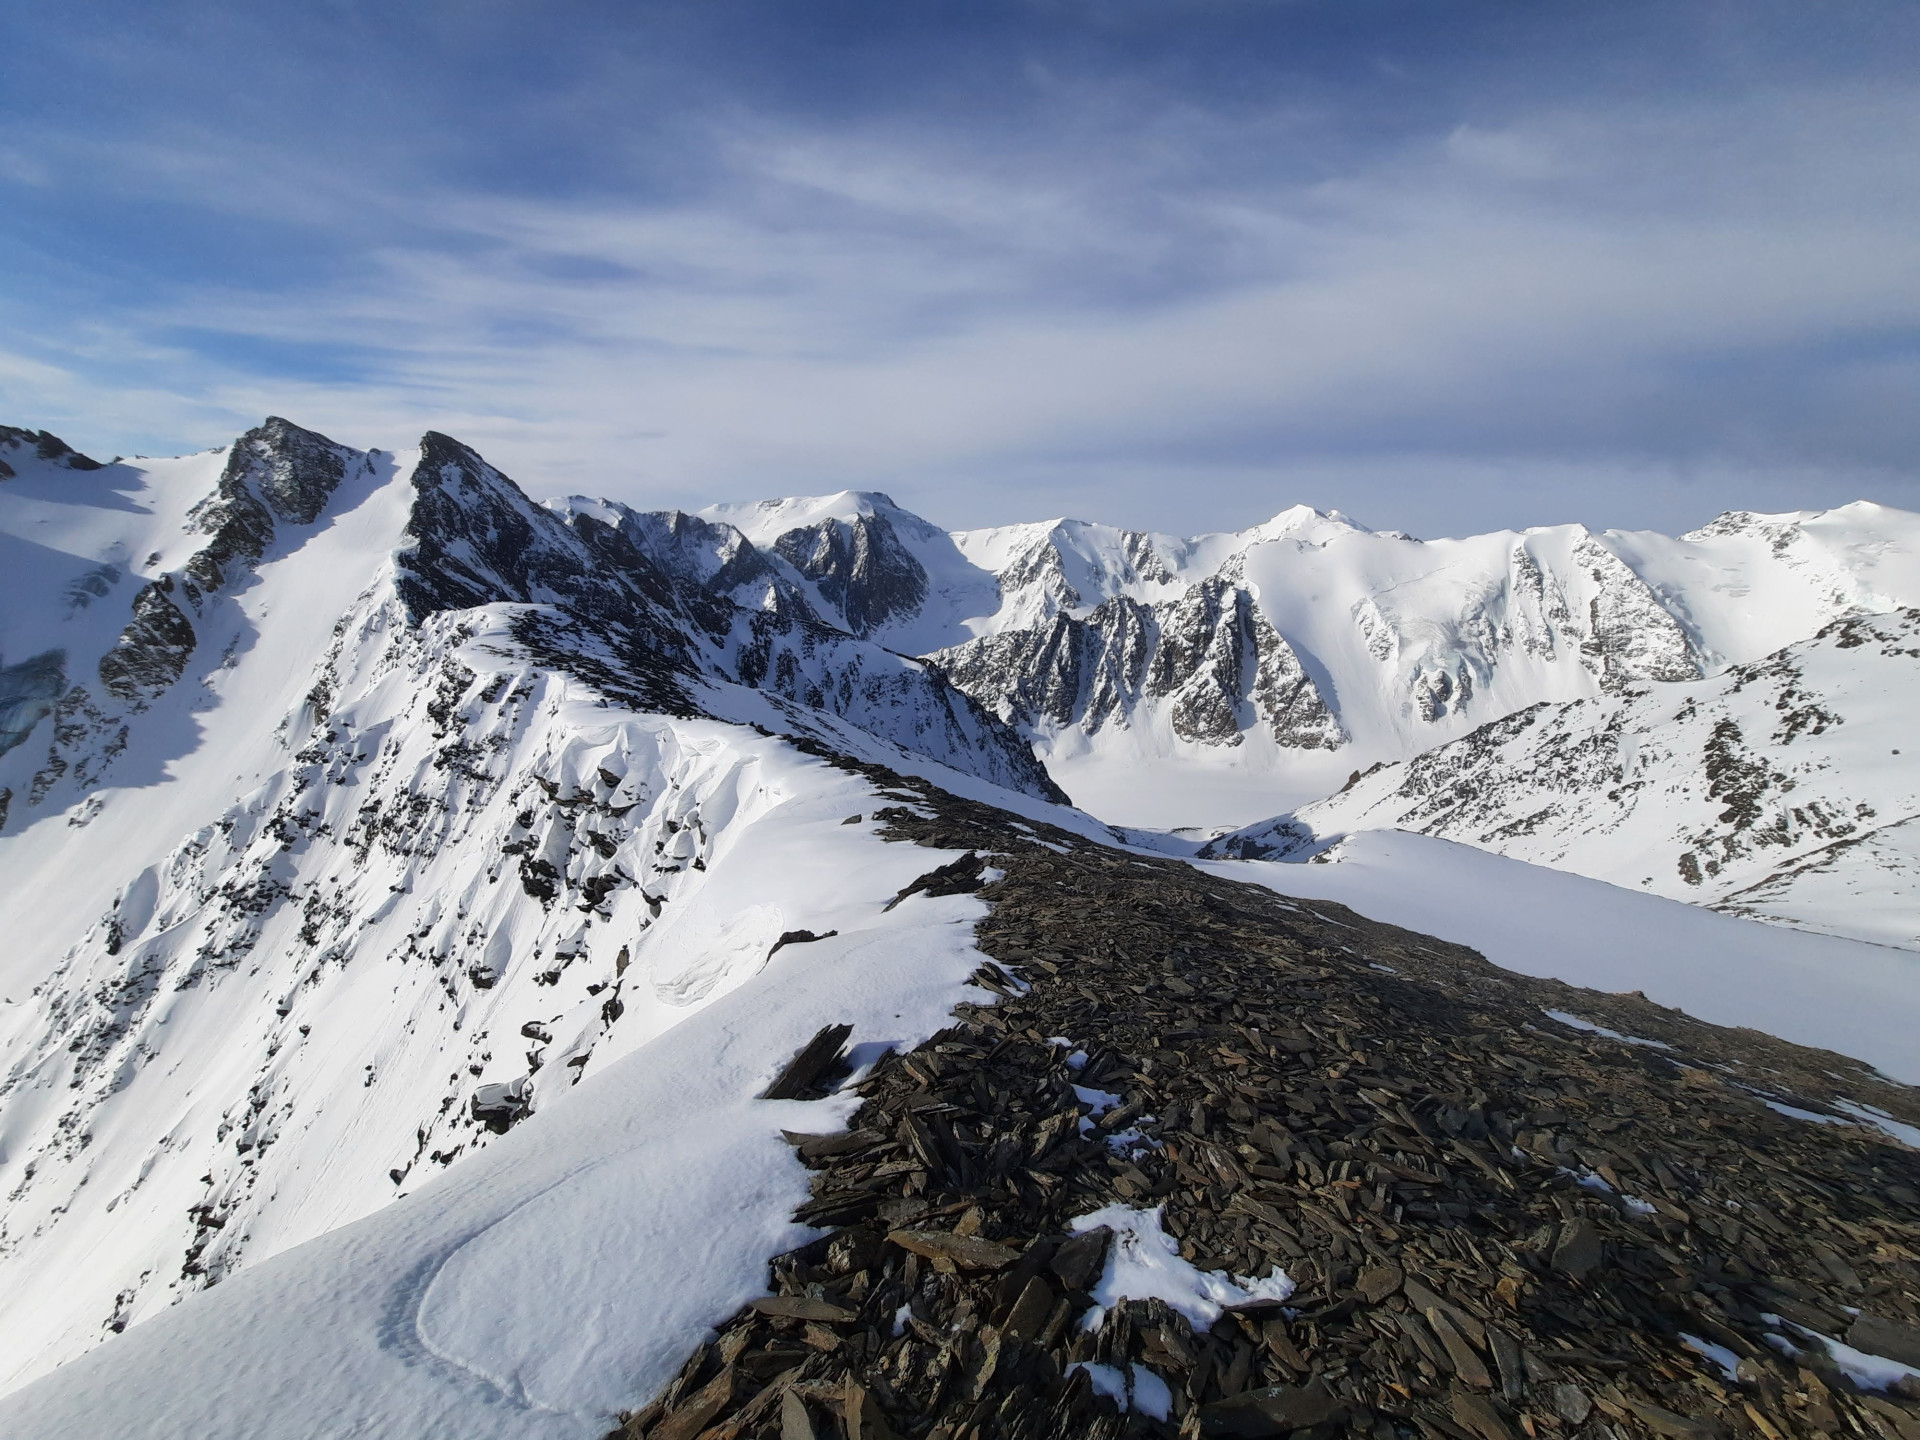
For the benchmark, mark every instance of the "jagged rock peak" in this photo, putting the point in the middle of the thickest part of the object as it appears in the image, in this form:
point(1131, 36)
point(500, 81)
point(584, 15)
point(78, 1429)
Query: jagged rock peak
point(853, 551)
point(44, 445)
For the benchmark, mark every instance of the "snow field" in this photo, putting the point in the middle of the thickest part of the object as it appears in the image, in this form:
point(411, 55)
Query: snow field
point(561, 1273)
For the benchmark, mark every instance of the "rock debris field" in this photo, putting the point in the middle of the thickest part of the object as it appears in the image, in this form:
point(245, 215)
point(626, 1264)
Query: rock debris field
point(1491, 1223)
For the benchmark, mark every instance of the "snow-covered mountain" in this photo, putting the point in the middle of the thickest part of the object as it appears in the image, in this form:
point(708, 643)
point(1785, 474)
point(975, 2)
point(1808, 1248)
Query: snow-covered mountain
point(353, 804)
point(354, 808)
point(1211, 680)
point(1777, 789)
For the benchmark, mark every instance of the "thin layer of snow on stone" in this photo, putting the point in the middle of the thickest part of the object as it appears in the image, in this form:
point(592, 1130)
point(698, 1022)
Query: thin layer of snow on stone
point(1144, 1262)
point(1728, 1362)
point(1908, 1135)
point(1869, 1372)
point(1587, 1025)
point(1134, 1388)
point(1812, 1117)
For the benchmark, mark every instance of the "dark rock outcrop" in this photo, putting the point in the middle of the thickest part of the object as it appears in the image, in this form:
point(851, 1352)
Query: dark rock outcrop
point(858, 566)
point(45, 446)
point(1211, 653)
point(277, 474)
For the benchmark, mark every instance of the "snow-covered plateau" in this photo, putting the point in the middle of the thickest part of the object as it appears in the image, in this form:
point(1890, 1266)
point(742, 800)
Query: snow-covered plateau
point(409, 886)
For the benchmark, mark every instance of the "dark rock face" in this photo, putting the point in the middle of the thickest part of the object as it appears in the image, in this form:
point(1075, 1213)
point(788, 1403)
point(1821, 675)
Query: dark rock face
point(716, 559)
point(501, 1107)
point(1630, 634)
point(1211, 652)
point(153, 651)
point(1497, 1226)
point(858, 566)
point(44, 445)
point(644, 615)
point(28, 693)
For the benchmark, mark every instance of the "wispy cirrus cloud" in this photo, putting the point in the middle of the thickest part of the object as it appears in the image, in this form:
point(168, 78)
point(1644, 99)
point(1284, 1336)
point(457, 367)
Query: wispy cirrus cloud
point(1106, 288)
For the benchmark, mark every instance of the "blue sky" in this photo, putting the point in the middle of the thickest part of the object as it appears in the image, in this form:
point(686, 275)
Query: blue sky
point(1443, 266)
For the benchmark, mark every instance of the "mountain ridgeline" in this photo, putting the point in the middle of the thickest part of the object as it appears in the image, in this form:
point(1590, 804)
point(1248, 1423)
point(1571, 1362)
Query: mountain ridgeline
point(357, 810)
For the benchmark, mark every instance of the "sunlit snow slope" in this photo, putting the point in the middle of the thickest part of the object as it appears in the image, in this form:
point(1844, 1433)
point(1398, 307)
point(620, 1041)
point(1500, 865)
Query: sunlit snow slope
point(1784, 789)
point(354, 807)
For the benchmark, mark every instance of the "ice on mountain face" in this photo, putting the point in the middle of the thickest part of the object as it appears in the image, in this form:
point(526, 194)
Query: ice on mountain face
point(28, 693)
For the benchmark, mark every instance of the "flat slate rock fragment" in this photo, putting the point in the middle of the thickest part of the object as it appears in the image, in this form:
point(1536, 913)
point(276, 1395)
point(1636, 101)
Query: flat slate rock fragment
point(1889, 1338)
point(819, 1061)
point(802, 1307)
point(966, 1251)
point(1378, 1282)
point(1578, 1249)
point(1273, 1410)
point(1079, 1261)
point(1494, 1227)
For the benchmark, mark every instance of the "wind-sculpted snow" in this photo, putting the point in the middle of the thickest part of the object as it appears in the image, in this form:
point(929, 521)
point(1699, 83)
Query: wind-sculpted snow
point(1777, 790)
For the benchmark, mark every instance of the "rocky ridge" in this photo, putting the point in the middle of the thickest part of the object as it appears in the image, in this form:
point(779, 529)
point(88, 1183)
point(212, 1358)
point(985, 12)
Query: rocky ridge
point(1507, 1207)
point(493, 770)
point(1777, 790)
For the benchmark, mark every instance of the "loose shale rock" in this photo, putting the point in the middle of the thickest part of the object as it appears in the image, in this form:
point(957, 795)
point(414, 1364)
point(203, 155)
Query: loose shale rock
point(1499, 1226)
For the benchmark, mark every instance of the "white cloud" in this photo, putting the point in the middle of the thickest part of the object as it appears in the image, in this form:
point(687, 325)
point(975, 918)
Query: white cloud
point(917, 314)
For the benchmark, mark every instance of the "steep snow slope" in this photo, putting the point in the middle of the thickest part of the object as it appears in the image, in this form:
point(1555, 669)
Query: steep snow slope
point(565, 1272)
point(554, 1279)
point(380, 812)
point(1208, 680)
point(1778, 789)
